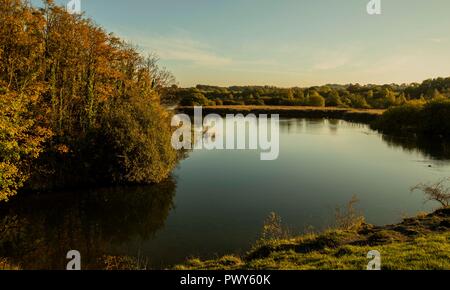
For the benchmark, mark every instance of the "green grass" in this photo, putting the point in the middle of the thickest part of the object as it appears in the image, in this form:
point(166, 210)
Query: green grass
point(420, 243)
point(424, 253)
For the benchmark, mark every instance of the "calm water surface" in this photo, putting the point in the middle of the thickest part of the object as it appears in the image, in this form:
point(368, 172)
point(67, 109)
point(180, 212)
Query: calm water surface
point(216, 201)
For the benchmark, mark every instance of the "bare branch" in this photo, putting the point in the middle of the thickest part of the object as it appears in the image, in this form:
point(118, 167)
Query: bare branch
point(438, 191)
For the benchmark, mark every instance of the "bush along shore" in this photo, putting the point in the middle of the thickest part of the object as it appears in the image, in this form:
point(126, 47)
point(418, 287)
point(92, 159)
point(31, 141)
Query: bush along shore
point(421, 243)
point(431, 119)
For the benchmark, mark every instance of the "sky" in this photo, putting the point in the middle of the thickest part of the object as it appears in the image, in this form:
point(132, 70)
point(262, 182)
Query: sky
point(284, 43)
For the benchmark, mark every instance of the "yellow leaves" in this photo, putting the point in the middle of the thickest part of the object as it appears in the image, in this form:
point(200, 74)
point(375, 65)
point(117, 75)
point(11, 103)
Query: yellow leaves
point(21, 140)
point(11, 179)
point(35, 91)
point(62, 148)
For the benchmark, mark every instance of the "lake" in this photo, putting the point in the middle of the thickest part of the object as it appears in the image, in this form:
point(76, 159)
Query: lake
point(216, 201)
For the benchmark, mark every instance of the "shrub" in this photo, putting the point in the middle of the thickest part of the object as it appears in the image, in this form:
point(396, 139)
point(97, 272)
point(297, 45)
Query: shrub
point(435, 118)
point(139, 136)
point(431, 119)
point(195, 99)
point(348, 217)
point(438, 191)
point(273, 229)
point(400, 120)
point(358, 101)
point(333, 99)
point(315, 100)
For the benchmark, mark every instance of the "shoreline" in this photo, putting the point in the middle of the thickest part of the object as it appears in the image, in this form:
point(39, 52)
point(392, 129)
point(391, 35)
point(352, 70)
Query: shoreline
point(354, 115)
point(421, 242)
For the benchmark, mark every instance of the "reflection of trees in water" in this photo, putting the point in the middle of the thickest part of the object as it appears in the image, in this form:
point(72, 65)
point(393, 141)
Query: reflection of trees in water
point(291, 126)
point(333, 125)
point(296, 125)
point(37, 231)
point(432, 148)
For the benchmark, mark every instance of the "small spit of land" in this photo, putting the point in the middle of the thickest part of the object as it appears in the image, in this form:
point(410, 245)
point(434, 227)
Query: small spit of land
point(349, 114)
point(421, 243)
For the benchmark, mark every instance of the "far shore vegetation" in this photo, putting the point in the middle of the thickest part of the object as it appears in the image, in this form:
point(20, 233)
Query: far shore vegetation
point(356, 115)
point(405, 110)
point(418, 118)
point(342, 96)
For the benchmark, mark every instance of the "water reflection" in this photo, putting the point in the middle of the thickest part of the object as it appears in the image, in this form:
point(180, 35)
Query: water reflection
point(296, 126)
point(36, 231)
point(222, 197)
point(431, 148)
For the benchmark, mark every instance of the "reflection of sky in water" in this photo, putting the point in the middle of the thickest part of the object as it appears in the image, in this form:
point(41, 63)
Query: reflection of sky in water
point(226, 195)
point(221, 197)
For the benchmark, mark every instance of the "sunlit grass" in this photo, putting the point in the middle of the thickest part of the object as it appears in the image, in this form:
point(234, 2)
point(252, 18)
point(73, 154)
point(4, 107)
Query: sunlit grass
point(421, 243)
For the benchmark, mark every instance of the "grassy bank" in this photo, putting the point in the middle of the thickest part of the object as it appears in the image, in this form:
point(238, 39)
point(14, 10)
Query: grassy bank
point(357, 115)
point(421, 243)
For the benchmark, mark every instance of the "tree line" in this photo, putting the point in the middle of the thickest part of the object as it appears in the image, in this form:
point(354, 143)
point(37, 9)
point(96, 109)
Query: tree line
point(77, 104)
point(345, 96)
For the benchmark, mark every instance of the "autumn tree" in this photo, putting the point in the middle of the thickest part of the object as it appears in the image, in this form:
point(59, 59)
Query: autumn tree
point(21, 141)
point(68, 77)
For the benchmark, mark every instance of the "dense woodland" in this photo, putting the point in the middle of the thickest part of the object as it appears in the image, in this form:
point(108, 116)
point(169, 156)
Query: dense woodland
point(77, 104)
point(346, 96)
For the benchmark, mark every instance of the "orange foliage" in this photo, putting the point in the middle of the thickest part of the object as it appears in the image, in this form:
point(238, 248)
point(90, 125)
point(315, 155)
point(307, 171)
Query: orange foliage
point(65, 73)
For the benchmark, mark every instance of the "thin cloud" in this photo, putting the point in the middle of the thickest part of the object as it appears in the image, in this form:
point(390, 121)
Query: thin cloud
point(182, 48)
point(335, 58)
point(331, 63)
point(437, 40)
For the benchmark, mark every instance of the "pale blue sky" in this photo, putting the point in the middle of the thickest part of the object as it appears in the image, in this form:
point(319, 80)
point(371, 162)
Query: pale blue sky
point(285, 42)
